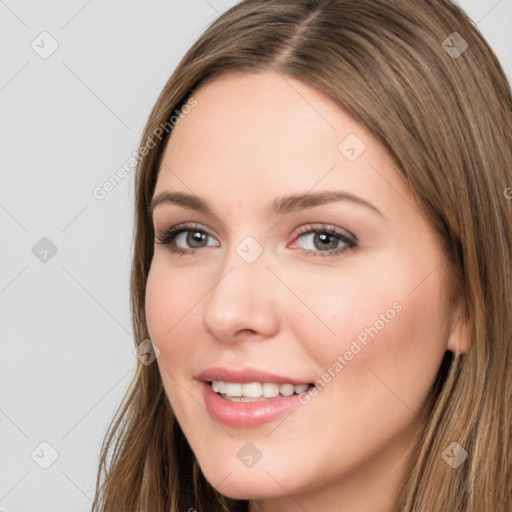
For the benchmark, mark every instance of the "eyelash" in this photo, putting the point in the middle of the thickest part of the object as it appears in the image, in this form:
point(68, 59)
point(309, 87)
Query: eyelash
point(350, 241)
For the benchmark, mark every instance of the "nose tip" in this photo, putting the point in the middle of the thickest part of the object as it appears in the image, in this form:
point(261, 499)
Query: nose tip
point(241, 304)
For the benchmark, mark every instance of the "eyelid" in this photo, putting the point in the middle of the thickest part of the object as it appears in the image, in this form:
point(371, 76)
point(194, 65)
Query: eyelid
point(183, 226)
point(330, 228)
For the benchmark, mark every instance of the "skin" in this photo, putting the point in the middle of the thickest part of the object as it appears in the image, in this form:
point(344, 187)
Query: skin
point(251, 138)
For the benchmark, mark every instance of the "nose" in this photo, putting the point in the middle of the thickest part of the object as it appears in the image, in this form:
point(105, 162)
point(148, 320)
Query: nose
point(242, 301)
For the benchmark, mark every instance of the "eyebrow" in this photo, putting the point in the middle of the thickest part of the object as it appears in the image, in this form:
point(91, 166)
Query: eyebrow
point(280, 206)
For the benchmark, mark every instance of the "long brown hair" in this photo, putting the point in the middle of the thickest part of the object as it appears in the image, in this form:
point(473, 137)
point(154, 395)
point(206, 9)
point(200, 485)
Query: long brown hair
point(443, 110)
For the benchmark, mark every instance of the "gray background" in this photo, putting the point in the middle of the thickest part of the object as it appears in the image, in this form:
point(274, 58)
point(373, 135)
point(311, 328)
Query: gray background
point(68, 122)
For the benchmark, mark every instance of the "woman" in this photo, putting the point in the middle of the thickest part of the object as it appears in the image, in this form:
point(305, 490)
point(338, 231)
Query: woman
point(322, 263)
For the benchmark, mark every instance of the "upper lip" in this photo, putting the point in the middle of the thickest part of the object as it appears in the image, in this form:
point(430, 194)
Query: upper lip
point(246, 375)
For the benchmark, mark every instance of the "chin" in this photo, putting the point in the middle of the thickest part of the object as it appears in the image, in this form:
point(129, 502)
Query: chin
point(242, 483)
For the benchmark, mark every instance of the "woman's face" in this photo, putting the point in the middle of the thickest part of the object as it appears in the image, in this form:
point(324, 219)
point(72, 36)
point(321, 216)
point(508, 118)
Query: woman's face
point(361, 309)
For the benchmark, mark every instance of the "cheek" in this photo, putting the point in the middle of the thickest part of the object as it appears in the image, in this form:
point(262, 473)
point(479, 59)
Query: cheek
point(159, 305)
point(376, 330)
point(169, 301)
point(336, 307)
point(173, 323)
point(171, 319)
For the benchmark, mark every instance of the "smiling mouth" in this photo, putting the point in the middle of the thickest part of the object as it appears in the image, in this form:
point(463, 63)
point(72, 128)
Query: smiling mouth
point(256, 391)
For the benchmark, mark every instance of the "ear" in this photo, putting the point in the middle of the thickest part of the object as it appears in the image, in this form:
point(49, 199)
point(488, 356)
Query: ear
point(459, 341)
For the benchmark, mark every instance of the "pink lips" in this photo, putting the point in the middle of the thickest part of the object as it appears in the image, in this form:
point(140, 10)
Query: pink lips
point(246, 414)
point(246, 375)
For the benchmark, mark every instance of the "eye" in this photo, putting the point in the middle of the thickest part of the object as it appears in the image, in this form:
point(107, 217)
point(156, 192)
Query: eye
point(325, 240)
point(186, 239)
point(316, 241)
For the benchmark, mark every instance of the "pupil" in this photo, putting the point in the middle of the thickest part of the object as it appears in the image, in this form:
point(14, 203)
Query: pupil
point(324, 239)
point(194, 239)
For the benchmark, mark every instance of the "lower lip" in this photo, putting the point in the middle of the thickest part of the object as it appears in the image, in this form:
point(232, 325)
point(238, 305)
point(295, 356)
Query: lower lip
point(247, 414)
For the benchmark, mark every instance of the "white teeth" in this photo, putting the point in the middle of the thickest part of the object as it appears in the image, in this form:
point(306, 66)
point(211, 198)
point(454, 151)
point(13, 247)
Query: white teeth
point(270, 389)
point(233, 389)
point(286, 389)
point(253, 390)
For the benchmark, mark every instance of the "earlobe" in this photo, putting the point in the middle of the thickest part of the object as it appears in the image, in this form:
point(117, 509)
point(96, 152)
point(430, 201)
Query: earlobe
point(459, 341)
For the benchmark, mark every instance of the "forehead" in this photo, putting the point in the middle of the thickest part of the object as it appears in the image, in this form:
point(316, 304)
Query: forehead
point(267, 110)
point(254, 136)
